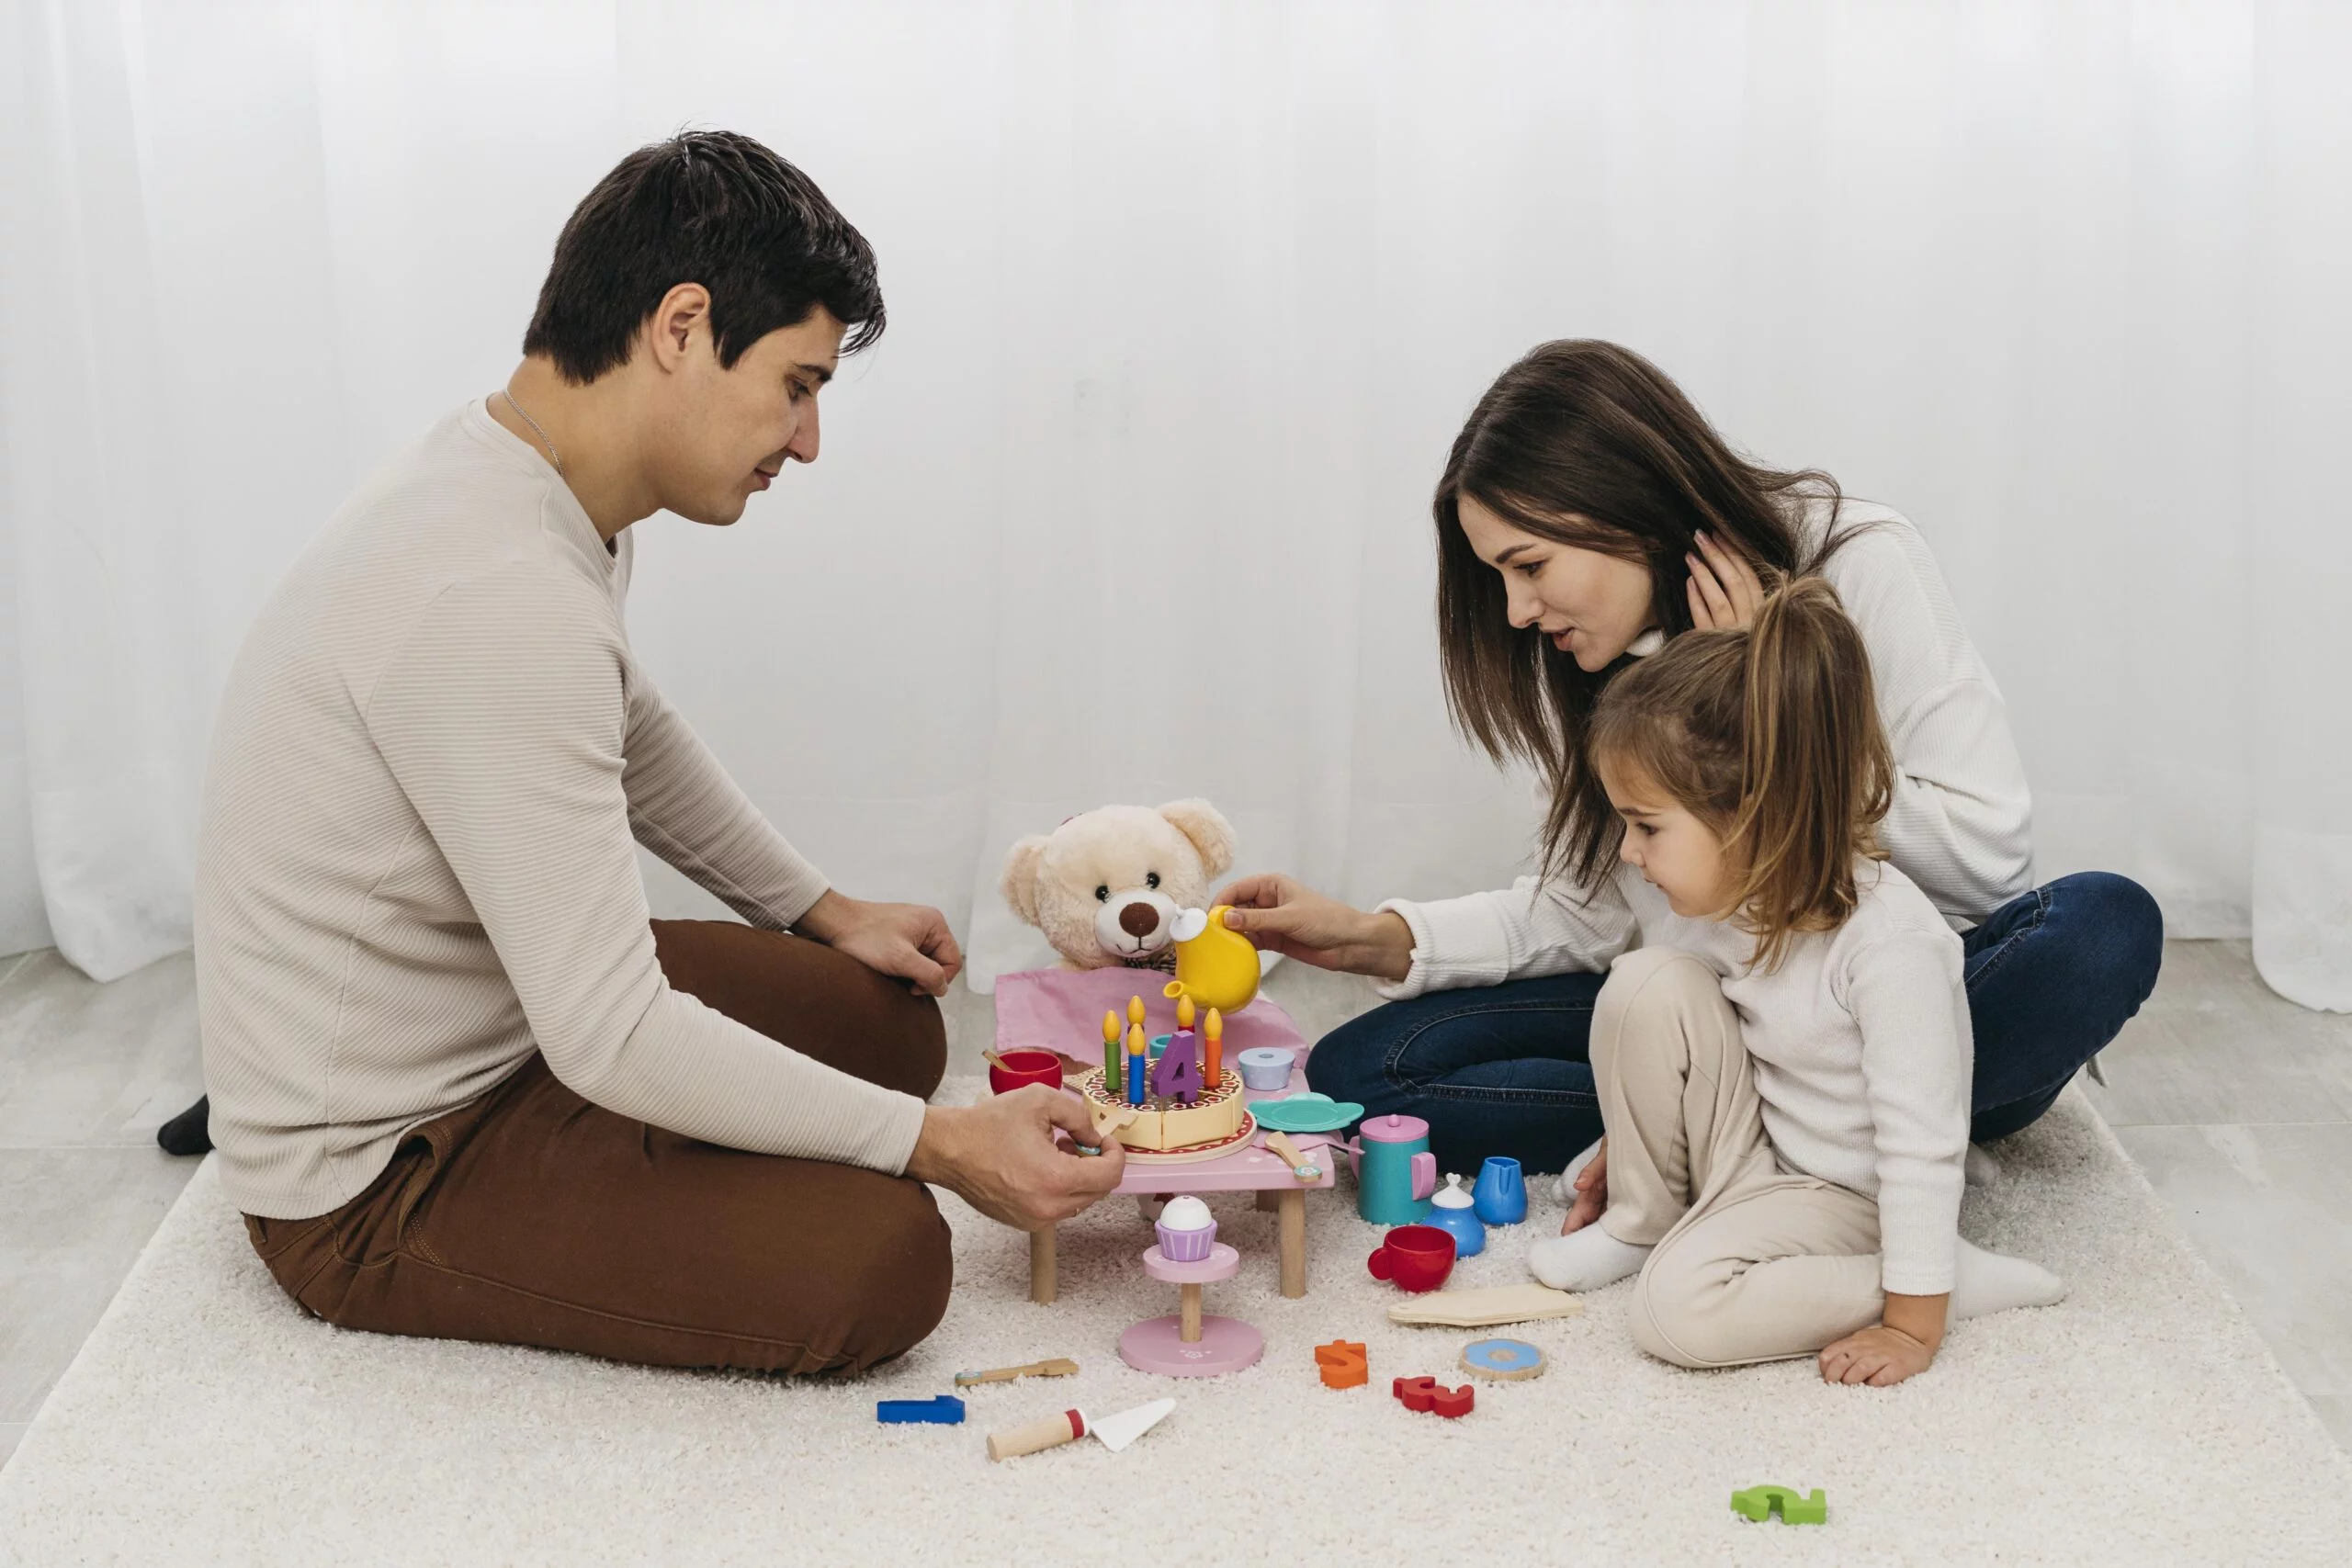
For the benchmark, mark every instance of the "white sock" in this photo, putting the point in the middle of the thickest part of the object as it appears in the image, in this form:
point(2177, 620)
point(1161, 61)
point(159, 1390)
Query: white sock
point(1566, 1186)
point(1982, 1169)
point(1584, 1261)
point(1987, 1281)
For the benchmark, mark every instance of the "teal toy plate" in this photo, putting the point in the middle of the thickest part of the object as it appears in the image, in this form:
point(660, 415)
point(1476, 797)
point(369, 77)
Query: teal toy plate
point(1306, 1112)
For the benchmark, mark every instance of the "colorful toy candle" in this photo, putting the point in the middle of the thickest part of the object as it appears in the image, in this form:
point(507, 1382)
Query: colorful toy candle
point(1214, 1033)
point(1135, 1065)
point(1113, 1078)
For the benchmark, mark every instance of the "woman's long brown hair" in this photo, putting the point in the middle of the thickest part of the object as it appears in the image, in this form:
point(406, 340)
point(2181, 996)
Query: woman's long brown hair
point(1589, 445)
point(1771, 738)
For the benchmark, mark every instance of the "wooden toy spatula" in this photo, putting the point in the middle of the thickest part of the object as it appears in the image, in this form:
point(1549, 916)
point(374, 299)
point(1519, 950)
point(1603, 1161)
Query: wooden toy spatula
point(1115, 1431)
point(1288, 1153)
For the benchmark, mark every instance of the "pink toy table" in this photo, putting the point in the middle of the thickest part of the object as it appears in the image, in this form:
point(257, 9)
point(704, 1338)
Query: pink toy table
point(1061, 1009)
point(1191, 1345)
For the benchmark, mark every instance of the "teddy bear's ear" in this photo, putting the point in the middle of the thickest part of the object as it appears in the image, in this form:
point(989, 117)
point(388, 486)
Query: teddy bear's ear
point(1019, 882)
point(1210, 832)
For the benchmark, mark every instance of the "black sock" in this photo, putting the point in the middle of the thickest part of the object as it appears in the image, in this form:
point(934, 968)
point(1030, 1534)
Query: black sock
point(189, 1133)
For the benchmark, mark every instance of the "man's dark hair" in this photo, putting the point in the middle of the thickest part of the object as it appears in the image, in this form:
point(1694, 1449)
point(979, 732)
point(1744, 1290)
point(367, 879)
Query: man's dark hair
point(706, 207)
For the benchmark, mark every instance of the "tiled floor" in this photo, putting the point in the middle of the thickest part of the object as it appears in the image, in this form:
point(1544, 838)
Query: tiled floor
point(2238, 1105)
point(85, 1074)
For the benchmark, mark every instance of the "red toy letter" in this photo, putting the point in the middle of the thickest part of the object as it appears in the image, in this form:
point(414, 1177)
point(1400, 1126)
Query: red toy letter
point(1425, 1393)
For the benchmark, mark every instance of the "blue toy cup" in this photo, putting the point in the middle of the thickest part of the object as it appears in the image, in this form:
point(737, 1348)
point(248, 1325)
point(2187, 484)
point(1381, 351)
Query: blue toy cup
point(1266, 1067)
point(1500, 1197)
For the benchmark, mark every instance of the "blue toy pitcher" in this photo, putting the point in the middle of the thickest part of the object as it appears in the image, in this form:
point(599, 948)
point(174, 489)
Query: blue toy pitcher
point(1395, 1173)
point(1502, 1192)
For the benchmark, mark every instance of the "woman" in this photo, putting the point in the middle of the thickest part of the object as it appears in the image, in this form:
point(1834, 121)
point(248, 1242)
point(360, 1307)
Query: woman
point(1586, 513)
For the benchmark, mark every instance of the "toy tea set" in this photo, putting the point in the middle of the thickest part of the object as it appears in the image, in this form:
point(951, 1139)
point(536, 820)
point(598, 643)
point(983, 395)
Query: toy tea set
point(1241, 1121)
point(1238, 1121)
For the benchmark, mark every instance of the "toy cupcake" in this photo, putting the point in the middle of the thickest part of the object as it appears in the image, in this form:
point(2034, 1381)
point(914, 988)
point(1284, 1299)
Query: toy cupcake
point(1186, 1230)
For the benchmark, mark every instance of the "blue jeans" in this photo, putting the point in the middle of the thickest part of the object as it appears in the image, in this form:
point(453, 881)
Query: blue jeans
point(1504, 1069)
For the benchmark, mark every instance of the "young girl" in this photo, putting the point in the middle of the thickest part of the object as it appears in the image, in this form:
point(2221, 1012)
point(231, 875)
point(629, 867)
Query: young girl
point(1784, 1066)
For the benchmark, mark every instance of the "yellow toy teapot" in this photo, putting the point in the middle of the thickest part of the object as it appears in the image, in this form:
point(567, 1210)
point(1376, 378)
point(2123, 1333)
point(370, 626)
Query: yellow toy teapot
point(1215, 966)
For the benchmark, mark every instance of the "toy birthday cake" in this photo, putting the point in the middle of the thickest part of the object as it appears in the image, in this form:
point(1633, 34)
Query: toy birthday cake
point(1166, 1126)
point(1178, 1100)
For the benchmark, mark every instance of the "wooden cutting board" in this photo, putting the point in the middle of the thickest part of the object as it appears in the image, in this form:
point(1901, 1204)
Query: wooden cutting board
point(1482, 1309)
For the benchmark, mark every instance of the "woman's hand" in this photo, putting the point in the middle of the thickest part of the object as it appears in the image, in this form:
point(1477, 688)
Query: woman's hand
point(1284, 916)
point(1592, 1191)
point(910, 942)
point(1881, 1357)
point(1723, 588)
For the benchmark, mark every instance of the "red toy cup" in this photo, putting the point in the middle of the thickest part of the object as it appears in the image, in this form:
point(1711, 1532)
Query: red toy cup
point(1026, 1066)
point(1417, 1258)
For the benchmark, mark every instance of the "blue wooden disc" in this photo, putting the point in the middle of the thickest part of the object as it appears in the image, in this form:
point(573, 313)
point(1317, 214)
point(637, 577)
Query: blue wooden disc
point(1503, 1358)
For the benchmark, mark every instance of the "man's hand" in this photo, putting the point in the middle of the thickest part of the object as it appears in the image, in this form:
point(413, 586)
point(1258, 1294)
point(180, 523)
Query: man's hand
point(1592, 1191)
point(1000, 1157)
point(1881, 1357)
point(1284, 916)
point(910, 941)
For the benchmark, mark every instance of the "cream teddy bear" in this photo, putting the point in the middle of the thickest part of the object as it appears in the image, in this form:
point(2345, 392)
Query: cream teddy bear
point(1106, 886)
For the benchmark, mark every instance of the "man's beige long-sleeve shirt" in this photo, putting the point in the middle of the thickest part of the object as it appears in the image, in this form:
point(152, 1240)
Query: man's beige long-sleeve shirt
point(416, 863)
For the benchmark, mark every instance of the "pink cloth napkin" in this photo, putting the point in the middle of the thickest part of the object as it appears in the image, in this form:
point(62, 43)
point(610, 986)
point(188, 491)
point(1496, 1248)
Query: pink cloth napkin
point(1061, 1009)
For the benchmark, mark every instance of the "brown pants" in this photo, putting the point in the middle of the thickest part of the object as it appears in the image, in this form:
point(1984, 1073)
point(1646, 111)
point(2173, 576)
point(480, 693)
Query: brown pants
point(532, 1217)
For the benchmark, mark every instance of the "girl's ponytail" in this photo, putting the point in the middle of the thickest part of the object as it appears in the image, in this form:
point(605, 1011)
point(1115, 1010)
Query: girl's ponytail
point(1817, 774)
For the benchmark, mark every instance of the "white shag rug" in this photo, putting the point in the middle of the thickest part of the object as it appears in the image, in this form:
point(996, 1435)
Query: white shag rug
point(208, 1421)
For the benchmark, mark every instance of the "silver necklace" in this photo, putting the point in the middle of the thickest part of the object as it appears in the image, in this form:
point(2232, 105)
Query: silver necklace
point(534, 423)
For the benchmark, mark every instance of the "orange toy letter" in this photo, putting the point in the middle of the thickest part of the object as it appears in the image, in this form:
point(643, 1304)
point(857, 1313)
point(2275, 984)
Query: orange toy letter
point(1343, 1364)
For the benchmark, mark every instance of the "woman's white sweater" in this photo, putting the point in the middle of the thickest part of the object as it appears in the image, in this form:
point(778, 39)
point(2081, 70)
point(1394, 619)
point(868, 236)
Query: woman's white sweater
point(1960, 827)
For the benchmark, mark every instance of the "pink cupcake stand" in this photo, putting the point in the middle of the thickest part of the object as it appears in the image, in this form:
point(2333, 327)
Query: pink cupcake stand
point(1189, 1344)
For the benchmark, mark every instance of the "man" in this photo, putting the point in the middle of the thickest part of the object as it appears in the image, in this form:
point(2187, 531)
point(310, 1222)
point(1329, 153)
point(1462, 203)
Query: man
point(461, 1085)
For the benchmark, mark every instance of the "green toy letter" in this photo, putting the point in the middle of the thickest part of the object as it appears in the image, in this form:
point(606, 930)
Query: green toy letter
point(1757, 1503)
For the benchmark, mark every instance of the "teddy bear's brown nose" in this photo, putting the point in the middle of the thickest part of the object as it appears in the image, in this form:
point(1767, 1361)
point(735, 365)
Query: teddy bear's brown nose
point(1139, 919)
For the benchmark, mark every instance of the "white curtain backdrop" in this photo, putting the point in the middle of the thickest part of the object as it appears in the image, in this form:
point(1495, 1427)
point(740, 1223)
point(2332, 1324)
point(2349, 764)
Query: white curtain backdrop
point(1186, 302)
